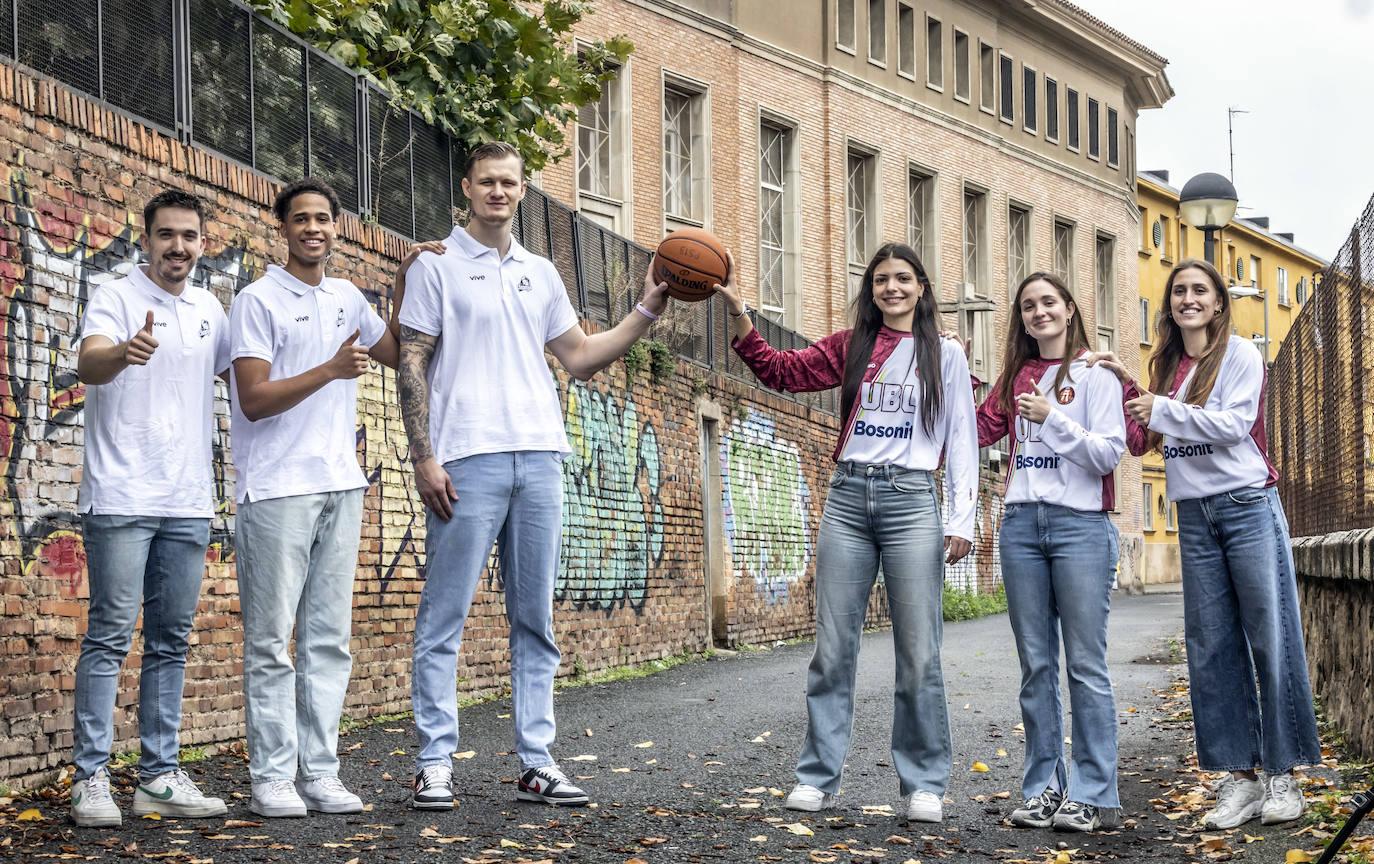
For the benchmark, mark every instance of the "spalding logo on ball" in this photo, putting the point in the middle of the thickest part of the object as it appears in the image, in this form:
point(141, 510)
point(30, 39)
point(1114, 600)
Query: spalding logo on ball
point(692, 262)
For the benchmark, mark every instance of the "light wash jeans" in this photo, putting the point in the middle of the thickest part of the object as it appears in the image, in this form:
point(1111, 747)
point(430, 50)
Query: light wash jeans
point(1057, 566)
point(131, 561)
point(296, 560)
point(1241, 617)
point(516, 501)
point(879, 514)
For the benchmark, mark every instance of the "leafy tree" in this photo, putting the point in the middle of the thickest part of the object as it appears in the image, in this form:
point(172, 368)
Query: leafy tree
point(482, 70)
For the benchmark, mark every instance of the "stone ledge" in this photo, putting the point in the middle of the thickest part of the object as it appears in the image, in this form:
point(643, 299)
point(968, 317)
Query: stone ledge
point(1338, 555)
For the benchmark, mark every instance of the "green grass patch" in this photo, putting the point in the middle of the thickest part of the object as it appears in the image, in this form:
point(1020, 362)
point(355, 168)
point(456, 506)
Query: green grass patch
point(963, 605)
point(628, 672)
point(192, 755)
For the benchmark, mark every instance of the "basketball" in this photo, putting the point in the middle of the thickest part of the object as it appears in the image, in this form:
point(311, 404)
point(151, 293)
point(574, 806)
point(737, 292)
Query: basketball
point(692, 262)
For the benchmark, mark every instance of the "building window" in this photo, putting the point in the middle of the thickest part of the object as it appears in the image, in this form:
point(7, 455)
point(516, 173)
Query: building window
point(1113, 139)
point(844, 24)
point(962, 82)
point(1146, 327)
point(1166, 235)
point(1051, 110)
point(778, 222)
point(1105, 293)
point(906, 40)
point(1018, 245)
point(975, 240)
point(921, 227)
point(987, 77)
point(935, 53)
point(1255, 274)
point(861, 212)
point(1094, 130)
point(684, 155)
point(1147, 506)
point(1171, 517)
point(877, 32)
point(1071, 114)
point(1146, 246)
point(1182, 240)
point(1302, 290)
point(602, 166)
point(1008, 89)
point(1063, 251)
point(1029, 94)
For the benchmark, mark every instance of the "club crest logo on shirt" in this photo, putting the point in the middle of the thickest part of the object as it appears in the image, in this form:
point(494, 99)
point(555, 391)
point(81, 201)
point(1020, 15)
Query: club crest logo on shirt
point(204, 328)
point(524, 284)
point(1065, 395)
point(339, 321)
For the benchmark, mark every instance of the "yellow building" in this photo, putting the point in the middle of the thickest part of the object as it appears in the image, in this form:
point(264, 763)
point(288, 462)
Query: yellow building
point(1274, 278)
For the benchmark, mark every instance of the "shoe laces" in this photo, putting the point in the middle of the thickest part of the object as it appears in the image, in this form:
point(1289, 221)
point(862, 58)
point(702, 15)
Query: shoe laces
point(1230, 793)
point(330, 783)
point(182, 781)
point(923, 795)
point(553, 772)
point(281, 788)
point(1072, 808)
point(1281, 785)
point(435, 775)
point(98, 787)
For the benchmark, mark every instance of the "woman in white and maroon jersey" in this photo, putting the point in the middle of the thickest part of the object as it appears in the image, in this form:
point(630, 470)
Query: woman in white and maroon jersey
point(1058, 550)
point(1205, 414)
point(905, 401)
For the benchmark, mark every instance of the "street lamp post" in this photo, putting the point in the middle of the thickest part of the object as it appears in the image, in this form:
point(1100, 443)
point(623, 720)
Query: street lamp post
point(1253, 290)
point(1208, 201)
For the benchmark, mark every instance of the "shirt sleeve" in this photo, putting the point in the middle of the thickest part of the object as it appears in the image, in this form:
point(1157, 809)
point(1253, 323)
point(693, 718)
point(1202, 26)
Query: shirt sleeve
point(422, 308)
point(105, 317)
point(961, 444)
point(1137, 436)
point(1239, 388)
point(562, 317)
point(993, 422)
point(371, 327)
point(819, 366)
point(252, 332)
point(1098, 446)
point(221, 339)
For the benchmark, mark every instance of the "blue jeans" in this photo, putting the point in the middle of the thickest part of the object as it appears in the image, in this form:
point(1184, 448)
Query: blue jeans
point(1241, 618)
point(890, 516)
point(516, 501)
point(131, 561)
point(1057, 566)
point(297, 556)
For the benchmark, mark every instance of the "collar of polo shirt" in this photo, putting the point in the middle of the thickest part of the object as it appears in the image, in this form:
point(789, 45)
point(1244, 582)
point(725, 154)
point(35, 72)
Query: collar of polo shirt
point(284, 278)
point(473, 249)
point(153, 290)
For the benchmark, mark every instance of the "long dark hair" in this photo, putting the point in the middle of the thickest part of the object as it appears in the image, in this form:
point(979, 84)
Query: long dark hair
point(868, 320)
point(1021, 345)
point(1164, 363)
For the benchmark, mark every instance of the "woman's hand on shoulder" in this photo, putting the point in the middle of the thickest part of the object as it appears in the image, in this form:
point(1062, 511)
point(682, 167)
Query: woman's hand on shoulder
point(1109, 360)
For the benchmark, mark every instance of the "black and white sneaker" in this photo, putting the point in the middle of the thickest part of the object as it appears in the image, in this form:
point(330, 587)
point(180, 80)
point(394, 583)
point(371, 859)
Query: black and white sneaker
point(550, 785)
point(1038, 811)
point(1084, 818)
point(433, 788)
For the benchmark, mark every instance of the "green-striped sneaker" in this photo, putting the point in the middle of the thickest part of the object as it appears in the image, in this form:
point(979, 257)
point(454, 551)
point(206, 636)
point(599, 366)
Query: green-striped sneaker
point(175, 794)
point(92, 804)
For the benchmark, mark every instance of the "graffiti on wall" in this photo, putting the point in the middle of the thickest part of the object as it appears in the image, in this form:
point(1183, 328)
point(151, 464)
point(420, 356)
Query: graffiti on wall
point(50, 263)
point(767, 505)
point(612, 510)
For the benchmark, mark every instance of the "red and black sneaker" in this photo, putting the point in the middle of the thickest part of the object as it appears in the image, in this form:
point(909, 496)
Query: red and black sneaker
point(550, 785)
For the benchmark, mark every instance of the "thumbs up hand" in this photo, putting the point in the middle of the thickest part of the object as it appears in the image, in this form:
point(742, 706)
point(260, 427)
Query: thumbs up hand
point(139, 350)
point(1033, 406)
point(350, 360)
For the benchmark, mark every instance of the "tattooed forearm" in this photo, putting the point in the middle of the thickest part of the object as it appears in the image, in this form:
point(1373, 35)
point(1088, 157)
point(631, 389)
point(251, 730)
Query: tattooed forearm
point(417, 349)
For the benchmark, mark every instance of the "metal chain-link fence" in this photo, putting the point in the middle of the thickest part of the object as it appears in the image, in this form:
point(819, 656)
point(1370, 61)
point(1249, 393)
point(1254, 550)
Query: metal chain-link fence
point(1320, 410)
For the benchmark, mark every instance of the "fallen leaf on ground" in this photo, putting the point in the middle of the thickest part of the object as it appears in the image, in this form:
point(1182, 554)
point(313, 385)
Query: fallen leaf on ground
point(979, 767)
point(642, 744)
point(466, 754)
point(761, 838)
point(33, 814)
point(1297, 856)
point(799, 829)
point(156, 817)
point(585, 757)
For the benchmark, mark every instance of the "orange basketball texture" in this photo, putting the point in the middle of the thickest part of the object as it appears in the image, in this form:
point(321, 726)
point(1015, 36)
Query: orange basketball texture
point(692, 262)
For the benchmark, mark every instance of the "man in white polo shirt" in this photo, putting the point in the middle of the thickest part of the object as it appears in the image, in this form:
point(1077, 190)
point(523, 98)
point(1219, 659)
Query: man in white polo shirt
point(151, 346)
point(299, 341)
point(482, 413)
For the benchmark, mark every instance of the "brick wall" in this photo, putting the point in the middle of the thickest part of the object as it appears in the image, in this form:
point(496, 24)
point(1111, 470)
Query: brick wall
point(633, 585)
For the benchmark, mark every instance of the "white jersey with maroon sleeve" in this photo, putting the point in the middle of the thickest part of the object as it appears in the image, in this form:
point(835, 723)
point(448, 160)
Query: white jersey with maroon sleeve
point(1218, 447)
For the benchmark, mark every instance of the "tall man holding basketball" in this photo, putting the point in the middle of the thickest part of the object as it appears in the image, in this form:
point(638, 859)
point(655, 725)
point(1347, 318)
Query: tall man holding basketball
point(482, 413)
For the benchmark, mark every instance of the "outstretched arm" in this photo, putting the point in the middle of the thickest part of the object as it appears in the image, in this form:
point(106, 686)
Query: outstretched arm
point(584, 356)
point(431, 480)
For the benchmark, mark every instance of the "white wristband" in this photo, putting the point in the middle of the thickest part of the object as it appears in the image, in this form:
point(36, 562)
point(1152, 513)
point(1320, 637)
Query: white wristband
point(639, 307)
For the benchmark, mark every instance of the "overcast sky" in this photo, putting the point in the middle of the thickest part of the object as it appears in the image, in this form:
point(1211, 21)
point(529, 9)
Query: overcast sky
point(1304, 71)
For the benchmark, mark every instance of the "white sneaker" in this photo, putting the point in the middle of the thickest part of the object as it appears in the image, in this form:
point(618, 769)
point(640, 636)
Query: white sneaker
point(925, 806)
point(1283, 800)
point(92, 804)
point(808, 798)
point(328, 795)
point(1238, 801)
point(175, 794)
point(276, 798)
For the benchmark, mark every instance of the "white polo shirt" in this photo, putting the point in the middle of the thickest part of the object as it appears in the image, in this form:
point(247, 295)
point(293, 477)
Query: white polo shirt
point(312, 446)
point(148, 450)
point(490, 389)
